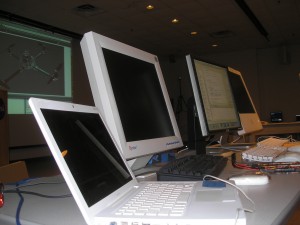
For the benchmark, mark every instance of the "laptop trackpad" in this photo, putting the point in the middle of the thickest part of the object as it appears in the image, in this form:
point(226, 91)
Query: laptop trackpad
point(215, 195)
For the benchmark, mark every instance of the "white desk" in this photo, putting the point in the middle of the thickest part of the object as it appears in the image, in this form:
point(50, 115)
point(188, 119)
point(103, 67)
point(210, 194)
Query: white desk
point(38, 210)
point(274, 202)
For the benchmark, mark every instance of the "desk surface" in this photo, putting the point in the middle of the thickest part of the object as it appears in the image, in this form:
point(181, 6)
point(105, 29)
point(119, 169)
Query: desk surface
point(274, 202)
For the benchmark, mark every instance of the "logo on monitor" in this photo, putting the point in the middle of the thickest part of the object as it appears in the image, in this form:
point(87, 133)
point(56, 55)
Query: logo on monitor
point(131, 148)
point(172, 143)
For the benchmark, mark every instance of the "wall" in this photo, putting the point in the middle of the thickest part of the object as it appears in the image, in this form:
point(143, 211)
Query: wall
point(82, 93)
point(4, 156)
point(279, 82)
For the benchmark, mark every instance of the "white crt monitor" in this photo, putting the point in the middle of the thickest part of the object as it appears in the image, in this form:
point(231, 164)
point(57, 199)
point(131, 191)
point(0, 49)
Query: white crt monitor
point(250, 120)
point(129, 90)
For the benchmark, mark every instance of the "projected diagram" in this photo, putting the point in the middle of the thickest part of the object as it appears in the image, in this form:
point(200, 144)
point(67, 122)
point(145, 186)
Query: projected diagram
point(29, 62)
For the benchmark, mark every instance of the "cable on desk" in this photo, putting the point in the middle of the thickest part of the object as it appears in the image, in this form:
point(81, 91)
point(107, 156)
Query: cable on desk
point(289, 138)
point(37, 194)
point(239, 165)
point(29, 185)
point(267, 167)
point(244, 166)
point(233, 141)
point(237, 215)
point(1, 195)
point(19, 206)
point(238, 188)
point(21, 184)
point(238, 209)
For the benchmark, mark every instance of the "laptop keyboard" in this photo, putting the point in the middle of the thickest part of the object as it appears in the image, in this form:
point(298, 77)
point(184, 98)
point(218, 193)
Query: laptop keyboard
point(159, 199)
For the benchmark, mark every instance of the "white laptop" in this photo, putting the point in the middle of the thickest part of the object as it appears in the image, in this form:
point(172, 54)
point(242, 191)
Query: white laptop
point(105, 188)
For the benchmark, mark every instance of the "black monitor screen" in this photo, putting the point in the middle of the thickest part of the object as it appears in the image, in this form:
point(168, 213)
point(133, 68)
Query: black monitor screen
point(139, 98)
point(90, 153)
point(241, 97)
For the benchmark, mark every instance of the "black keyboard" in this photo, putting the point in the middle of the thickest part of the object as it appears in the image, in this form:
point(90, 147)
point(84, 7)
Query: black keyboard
point(193, 167)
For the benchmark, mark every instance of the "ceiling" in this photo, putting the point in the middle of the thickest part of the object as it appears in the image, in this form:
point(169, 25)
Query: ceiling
point(220, 22)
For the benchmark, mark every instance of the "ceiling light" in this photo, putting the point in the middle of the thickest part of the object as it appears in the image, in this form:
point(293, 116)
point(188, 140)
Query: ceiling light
point(194, 33)
point(214, 45)
point(149, 7)
point(175, 20)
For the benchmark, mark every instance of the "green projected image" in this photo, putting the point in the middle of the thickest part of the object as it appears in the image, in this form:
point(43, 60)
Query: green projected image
point(36, 63)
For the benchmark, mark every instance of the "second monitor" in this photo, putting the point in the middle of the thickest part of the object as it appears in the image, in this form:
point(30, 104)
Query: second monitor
point(249, 117)
point(213, 96)
point(129, 89)
point(222, 101)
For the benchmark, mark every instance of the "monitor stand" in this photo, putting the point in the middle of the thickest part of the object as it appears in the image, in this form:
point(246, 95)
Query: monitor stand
point(224, 143)
point(139, 163)
point(195, 139)
point(225, 146)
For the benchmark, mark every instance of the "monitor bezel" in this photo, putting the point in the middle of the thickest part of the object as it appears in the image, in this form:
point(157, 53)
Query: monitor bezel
point(92, 45)
point(250, 122)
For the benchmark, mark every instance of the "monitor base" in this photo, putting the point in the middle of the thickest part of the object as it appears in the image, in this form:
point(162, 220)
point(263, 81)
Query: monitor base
point(222, 148)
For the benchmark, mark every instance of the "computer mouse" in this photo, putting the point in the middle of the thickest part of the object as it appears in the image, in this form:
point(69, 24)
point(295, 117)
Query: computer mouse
point(250, 179)
point(294, 148)
point(288, 157)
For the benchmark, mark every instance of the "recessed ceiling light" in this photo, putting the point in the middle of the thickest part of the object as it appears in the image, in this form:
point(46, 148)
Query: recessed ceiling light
point(194, 33)
point(175, 20)
point(214, 45)
point(149, 7)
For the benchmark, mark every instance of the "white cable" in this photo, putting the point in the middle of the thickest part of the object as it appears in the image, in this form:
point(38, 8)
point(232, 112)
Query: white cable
point(237, 215)
point(266, 137)
point(238, 188)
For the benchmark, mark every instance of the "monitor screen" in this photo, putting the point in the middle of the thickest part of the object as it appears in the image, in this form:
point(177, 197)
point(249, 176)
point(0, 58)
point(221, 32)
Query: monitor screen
point(213, 96)
point(139, 97)
point(129, 90)
point(249, 118)
point(84, 145)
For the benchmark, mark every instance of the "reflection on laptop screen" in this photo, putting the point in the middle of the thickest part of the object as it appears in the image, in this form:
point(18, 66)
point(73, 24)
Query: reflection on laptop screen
point(90, 153)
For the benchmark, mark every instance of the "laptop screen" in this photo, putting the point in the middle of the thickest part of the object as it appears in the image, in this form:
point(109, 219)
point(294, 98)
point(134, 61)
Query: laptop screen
point(89, 152)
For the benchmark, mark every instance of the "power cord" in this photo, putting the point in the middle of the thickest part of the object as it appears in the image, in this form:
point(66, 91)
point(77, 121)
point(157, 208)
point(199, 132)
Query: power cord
point(24, 183)
point(238, 188)
point(19, 206)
